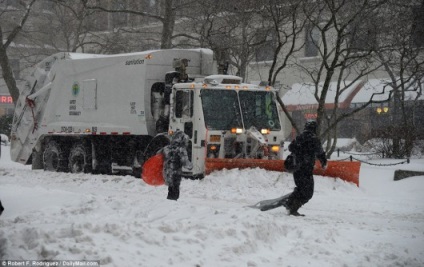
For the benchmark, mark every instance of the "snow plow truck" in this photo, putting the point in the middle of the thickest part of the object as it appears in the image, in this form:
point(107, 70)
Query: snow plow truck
point(110, 113)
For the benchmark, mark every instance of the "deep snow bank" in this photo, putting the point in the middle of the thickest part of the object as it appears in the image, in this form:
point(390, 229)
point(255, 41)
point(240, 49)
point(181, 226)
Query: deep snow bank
point(123, 222)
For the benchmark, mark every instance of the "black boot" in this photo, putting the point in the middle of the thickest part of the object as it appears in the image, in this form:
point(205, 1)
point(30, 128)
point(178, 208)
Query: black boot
point(172, 194)
point(293, 208)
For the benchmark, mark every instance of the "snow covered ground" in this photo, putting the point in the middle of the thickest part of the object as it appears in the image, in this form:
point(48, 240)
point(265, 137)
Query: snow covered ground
point(121, 221)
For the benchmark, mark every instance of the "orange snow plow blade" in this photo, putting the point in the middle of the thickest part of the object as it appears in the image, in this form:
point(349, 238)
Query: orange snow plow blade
point(345, 170)
point(213, 164)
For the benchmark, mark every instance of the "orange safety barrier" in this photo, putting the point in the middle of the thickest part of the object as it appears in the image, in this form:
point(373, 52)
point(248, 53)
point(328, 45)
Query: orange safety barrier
point(345, 170)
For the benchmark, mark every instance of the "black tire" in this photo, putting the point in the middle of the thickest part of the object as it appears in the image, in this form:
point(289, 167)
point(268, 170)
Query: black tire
point(54, 157)
point(157, 143)
point(37, 160)
point(80, 159)
point(136, 168)
point(136, 172)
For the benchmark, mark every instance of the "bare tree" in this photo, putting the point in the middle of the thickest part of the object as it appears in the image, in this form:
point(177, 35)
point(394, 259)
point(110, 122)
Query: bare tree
point(7, 37)
point(351, 40)
point(233, 30)
point(401, 53)
point(342, 35)
point(207, 27)
point(57, 26)
point(250, 30)
point(70, 25)
point(166, 16)
point(286, 23)
point(348, 59)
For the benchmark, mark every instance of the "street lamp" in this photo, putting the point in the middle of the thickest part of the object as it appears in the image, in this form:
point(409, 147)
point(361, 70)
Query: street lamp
point(382, 110)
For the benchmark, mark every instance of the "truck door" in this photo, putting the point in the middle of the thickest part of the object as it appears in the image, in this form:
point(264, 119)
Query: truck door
point(199, 137)
point(187, 116)
point(184, 115)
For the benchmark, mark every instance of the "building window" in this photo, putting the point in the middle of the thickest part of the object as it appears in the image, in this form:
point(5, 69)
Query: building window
point(363, 36)
point(312, 39)
point(265, 52)
point(119, 19)
point(98, 21)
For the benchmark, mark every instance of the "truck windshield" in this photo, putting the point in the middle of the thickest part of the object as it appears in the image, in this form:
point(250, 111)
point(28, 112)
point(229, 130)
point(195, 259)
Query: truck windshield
point(259, 110)
point(221, 109)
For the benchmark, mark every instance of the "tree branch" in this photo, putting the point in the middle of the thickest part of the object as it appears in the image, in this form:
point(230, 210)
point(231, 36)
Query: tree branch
point(128, 11)
point(19, 27)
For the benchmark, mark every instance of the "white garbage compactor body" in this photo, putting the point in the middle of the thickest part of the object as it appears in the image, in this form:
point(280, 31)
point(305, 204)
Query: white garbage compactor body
point(109, 113)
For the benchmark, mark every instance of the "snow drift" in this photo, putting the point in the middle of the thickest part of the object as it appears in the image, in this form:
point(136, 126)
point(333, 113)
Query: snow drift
point(121, 221)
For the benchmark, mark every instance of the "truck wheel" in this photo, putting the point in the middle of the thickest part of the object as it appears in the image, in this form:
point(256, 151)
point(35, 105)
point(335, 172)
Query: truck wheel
point(136, 172)
point(138, 162)
point(54, 158)
point(157, 143)
point(37, 160)
point(80, 159)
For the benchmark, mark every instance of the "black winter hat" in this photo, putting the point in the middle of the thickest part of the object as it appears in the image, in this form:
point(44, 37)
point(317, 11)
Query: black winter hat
point(311, 126)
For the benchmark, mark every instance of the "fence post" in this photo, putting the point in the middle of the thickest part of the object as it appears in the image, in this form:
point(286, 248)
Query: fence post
point(351, 158)
point(338, 152)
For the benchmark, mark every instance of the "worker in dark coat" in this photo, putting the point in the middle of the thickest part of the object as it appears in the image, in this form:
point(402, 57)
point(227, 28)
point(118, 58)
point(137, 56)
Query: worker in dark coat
point(306, 147)
point(175, 157)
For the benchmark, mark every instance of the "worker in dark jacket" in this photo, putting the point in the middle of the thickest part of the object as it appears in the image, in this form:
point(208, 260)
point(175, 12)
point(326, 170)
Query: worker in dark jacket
point(175, 157)
point(307, 147)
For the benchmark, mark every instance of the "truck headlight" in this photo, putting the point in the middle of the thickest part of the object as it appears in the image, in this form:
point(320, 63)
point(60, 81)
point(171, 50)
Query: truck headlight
point(275, 149)
point(265, 131)
point(236, 130)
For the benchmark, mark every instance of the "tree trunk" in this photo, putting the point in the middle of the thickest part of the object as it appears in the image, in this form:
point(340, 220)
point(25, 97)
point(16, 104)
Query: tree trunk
point(397, 124)
point(7, 73)
point(4, 59)
point(168, 24)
